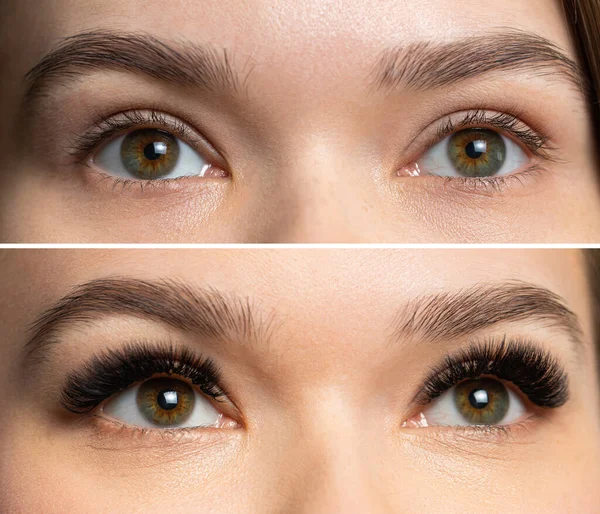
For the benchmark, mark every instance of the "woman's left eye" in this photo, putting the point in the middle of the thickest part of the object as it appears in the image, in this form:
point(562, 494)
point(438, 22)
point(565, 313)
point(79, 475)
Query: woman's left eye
point(162, 403)
point(151, 154)
point(475, 153)
point(483, 401)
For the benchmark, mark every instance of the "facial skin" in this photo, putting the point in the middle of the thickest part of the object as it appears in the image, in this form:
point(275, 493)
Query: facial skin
point(321, 389)
point(311, 145)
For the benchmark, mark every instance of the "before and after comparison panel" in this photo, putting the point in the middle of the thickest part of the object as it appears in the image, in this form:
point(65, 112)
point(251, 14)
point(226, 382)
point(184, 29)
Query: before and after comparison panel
point(312, 121)
point(299, 381)
point(300, 256)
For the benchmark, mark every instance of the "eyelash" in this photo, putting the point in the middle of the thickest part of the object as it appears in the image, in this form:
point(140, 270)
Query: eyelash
point(534, 371)
point(107, 127)
point(537, 142)
point(115, 370)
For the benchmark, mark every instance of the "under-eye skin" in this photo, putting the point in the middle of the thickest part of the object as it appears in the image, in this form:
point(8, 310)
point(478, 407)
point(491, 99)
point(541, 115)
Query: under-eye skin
point(146, 147)
point(490, 384)
point(482, 149)
point(149, 387)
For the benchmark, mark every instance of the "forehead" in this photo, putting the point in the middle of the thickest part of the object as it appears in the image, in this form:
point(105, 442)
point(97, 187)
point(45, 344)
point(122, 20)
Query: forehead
point(311, 23)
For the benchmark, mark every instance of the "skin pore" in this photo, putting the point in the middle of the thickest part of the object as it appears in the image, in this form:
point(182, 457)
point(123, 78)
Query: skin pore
point(322, 357)
point(311, 123)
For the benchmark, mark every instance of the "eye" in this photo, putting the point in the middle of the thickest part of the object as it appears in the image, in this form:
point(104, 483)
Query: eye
point(162, 403)
point(150, 154)
point(484, 401)
point(474, 152)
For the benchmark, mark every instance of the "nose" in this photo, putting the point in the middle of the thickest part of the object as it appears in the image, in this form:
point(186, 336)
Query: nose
point(337, 465)
point(340, 484)
point(323, 195)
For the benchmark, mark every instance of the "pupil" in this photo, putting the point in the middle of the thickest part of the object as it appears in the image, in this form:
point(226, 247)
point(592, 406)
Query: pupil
point(155, 150)
point(478, 398)
point(475, 149)
point(167, 400)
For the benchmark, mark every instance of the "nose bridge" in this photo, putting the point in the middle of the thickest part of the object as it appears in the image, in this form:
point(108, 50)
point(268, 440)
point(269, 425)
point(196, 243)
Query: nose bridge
point(339, 472)
point(324, 194)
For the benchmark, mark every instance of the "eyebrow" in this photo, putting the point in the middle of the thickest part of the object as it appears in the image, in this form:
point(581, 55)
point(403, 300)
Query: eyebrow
point(457, 314)
point(210, 313)
point(431, 65)
point(188, 64)
point(201, 311)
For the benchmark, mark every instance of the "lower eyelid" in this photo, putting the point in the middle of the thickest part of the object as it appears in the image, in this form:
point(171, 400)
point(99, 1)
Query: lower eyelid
point(205, 191)
point(522, 432)
point(109, 434)
point(521, 183)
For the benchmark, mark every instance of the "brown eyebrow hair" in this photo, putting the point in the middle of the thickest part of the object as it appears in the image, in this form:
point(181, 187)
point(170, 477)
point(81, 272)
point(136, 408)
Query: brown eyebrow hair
point(430, 65)
point(423, 65)
point(456, 314)
point(210, 313)
point(188, 64)
point(205, 312)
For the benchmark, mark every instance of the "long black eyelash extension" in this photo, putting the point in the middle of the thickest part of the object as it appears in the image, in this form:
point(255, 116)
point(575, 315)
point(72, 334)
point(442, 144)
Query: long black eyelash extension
point(107, 127)
point(532, 369)
point(113, 371)
point(538, 143)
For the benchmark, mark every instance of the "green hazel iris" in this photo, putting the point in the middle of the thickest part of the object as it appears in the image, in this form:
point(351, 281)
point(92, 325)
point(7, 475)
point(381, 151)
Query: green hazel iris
point(477, 152)
point(482, 402)
point(149, 153)
point(165, 401)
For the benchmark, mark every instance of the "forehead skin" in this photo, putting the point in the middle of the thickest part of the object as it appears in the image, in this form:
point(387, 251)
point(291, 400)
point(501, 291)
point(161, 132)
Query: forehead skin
point(319, 395)
point(311, 143)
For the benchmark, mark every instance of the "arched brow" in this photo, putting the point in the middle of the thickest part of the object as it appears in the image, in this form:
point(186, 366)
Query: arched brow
point(430, 65)
point(204, 312)
point(185, 63)
point(450, 315)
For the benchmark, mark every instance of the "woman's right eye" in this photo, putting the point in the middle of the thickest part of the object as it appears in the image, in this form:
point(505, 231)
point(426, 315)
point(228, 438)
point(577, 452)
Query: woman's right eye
point(152, 154)
point(163, 403)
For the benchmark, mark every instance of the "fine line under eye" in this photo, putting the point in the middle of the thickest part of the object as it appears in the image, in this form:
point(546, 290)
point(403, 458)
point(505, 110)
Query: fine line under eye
point(532, 369)
point(114, 370)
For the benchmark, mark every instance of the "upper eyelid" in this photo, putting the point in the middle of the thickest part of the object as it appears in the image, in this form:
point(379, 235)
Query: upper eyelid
point(108, 128)
point(430, 135)
point(82, 145)
point(157, 360)
point(532, 356)
point(498, 121)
